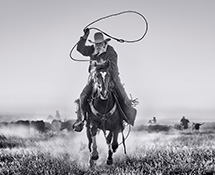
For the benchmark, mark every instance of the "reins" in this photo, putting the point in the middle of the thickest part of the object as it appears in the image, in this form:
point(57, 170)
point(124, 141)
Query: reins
point(112, 37)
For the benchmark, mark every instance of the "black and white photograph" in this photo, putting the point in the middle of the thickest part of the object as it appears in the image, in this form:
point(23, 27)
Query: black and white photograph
point(107, 87)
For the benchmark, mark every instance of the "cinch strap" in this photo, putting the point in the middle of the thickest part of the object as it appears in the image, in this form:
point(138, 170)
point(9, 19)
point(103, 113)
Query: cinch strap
point(97, 113)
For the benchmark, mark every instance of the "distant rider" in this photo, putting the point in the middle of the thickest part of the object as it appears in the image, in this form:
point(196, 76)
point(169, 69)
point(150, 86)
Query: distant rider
point(184, 122)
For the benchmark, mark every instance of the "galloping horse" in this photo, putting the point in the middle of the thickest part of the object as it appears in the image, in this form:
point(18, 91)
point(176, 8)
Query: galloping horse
point(103, 115)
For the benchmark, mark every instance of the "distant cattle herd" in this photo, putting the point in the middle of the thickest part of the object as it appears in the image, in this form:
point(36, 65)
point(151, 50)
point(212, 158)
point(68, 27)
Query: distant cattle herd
point(40, 125)
point(56, 125)
point(163, 127)
point(184, 124)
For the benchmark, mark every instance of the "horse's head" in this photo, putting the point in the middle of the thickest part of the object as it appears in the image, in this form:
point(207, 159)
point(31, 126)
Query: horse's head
point(102, 82)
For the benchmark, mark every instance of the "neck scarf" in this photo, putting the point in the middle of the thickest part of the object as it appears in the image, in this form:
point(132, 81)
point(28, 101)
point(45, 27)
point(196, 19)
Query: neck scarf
point(100, 51)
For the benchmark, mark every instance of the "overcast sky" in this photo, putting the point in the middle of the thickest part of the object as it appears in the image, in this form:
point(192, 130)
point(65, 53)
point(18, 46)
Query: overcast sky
point(171, 70)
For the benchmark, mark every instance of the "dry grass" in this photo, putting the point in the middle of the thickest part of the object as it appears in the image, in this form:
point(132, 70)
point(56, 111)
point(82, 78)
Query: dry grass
point(148, 153)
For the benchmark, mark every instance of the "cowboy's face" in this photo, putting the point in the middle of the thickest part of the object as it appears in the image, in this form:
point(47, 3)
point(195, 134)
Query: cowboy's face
point(99, 46)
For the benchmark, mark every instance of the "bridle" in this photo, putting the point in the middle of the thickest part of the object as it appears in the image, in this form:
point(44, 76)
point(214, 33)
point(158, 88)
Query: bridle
point(101, 84)
point(102, 90)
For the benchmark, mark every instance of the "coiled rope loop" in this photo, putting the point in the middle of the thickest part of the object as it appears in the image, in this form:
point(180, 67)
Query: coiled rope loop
point(117, 39)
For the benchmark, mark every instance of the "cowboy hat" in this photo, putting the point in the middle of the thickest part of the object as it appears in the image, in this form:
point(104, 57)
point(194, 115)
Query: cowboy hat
point(99, 38)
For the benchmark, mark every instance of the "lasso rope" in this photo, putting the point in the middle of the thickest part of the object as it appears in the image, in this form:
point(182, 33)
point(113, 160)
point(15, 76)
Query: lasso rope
point(117, 39)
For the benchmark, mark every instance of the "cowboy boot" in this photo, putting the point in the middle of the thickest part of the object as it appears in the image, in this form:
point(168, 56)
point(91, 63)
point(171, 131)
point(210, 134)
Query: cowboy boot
point(82, 102)
point(79, 123)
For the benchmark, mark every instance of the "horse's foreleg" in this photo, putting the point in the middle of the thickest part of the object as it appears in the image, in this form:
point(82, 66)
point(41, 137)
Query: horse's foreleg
point(112, 147)
point(110, 155)
point(115, 141)
point(110, 151)
point(94, 153)
point(109, 137)
point(89, 136)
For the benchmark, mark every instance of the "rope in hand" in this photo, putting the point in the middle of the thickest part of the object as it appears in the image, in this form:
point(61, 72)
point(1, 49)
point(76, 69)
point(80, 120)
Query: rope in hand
point(117, 39)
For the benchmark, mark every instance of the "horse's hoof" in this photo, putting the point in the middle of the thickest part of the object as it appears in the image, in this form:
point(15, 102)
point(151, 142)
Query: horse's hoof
point(109, 161)
point(94, 157)
point(114, 148)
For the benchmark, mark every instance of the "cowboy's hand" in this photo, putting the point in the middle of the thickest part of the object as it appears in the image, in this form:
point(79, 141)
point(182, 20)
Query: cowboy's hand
point(86, 33)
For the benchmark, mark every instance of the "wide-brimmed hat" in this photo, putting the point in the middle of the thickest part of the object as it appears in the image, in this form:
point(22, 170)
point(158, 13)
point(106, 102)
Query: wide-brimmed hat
point(99, 38)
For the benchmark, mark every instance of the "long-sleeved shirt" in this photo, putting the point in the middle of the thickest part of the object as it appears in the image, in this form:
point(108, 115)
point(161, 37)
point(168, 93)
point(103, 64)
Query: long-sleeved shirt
point(109, 55)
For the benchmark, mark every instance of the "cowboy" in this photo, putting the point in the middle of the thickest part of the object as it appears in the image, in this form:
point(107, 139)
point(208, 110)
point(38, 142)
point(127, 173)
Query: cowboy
point(100, 53)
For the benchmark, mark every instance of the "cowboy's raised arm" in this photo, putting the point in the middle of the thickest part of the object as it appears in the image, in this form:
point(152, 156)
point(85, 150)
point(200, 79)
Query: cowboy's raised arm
point(82, 48)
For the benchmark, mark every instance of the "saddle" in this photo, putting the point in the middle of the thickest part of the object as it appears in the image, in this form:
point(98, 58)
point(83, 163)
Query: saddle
point(127, 112)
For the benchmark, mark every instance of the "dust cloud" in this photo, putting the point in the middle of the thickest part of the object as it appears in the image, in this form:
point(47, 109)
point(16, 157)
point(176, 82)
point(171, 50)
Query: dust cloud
point(75, 145)
point(16, 131)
